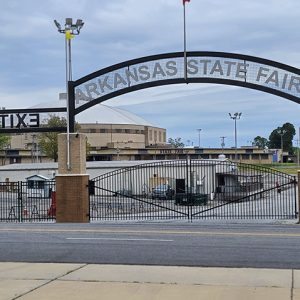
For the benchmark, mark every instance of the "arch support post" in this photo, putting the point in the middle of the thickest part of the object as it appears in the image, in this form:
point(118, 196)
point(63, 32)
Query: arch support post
point(72, 195)
point(71, 106)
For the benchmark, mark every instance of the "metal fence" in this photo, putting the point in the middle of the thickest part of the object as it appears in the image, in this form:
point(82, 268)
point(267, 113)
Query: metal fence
point(178, 189)
point(27, 201)
point(193, 189)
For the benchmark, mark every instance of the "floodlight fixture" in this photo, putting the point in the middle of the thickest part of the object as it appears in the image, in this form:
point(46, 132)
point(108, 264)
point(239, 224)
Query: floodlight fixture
point(69, 21)
point(79, 24)
point(69, 26)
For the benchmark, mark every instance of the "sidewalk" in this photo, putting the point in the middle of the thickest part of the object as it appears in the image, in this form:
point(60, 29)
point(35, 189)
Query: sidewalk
point(26, 281)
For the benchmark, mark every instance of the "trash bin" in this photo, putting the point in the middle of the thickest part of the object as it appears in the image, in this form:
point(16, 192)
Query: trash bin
point(199, 199)
point(191, 199)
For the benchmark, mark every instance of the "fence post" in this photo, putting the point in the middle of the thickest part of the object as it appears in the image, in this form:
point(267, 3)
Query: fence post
point(188, 185)
point(298, 196)
point(20, 202)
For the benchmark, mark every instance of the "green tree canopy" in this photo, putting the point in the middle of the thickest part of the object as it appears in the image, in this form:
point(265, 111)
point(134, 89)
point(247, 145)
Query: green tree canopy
point(48, 140)
point(176, 142)
point(282, 137)
point(4, 140)
point(260, 142)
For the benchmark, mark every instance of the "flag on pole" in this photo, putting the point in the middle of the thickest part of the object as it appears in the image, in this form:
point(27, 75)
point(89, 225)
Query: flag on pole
point(183, 1)
point(69, 35)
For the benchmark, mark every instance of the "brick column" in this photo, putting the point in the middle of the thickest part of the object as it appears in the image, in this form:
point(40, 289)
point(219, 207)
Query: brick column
point(72, 181)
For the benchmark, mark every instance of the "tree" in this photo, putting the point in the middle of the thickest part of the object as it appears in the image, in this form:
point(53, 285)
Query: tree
point(260, 142)
point(4, 140)
point(48, 140)
point(282, 137)
point(176, 143)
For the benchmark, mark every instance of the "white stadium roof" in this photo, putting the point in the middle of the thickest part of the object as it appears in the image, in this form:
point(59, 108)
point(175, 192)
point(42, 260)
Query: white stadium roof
point(101, 114)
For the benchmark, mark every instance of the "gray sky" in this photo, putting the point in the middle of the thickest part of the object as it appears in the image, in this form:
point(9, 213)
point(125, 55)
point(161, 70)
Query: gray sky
point(32, 58)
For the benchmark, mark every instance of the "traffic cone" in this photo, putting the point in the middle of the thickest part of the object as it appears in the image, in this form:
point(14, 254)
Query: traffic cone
point(25, 212)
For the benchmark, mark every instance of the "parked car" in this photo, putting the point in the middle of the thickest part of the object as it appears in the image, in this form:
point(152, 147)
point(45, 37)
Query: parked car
point(162, 191)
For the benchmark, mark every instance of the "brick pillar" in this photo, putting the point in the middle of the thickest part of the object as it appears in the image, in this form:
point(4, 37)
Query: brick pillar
point(77, 154)
point(72, 181)
point(72, 199)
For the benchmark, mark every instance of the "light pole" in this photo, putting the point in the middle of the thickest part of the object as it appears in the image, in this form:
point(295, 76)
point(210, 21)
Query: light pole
point(222, 143)
point(281, 132)
point(236, 116)
point(199, 132)
point(70, 30)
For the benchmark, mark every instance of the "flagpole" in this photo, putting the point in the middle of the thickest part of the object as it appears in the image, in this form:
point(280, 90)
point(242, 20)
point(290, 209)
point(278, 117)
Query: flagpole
point(184, 43)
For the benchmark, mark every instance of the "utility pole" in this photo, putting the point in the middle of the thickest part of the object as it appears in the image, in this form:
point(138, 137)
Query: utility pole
point(199, 132)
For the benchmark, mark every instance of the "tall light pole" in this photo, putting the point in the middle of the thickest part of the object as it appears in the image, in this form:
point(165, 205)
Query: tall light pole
point(236, 116)
point(199, 132)
point(222, 143)
point(281, 132)
point(70, 30)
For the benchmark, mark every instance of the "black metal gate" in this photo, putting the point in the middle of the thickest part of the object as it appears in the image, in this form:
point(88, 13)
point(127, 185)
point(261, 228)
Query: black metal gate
point(193, 189)
point(27, 201)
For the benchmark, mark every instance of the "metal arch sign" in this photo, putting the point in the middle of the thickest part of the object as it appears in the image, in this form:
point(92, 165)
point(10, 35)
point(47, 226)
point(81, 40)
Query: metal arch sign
point(169, 68)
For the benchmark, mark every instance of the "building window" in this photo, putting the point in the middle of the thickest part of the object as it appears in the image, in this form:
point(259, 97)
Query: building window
point(159, 136)
point(155, 136)
point(165, 137)
point(150, 135)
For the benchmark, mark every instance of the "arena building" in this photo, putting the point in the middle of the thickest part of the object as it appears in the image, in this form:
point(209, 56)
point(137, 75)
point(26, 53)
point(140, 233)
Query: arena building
point(107, 128)
point(116, 134)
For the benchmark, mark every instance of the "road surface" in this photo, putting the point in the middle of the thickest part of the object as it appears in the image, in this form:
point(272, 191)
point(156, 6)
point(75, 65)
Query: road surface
point(176, 244)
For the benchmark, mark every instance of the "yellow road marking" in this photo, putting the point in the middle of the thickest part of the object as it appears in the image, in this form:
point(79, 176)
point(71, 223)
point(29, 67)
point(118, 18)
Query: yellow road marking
point(162, 232)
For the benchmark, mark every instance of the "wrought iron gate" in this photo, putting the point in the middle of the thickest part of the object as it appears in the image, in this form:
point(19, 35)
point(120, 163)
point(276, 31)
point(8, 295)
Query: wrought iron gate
point(27, 201)
point(193, 189)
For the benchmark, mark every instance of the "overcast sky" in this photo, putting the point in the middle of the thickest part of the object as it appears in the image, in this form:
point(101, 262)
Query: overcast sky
point(32, 58)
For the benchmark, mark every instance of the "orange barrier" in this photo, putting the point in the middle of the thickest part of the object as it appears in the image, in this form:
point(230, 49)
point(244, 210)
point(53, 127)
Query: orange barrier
point(52, 209)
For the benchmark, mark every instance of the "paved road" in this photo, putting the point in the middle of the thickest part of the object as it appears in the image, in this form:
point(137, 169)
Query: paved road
point(214, 245)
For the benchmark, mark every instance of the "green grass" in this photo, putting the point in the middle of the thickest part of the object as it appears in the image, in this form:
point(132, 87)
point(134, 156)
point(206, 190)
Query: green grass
point(290, 168)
